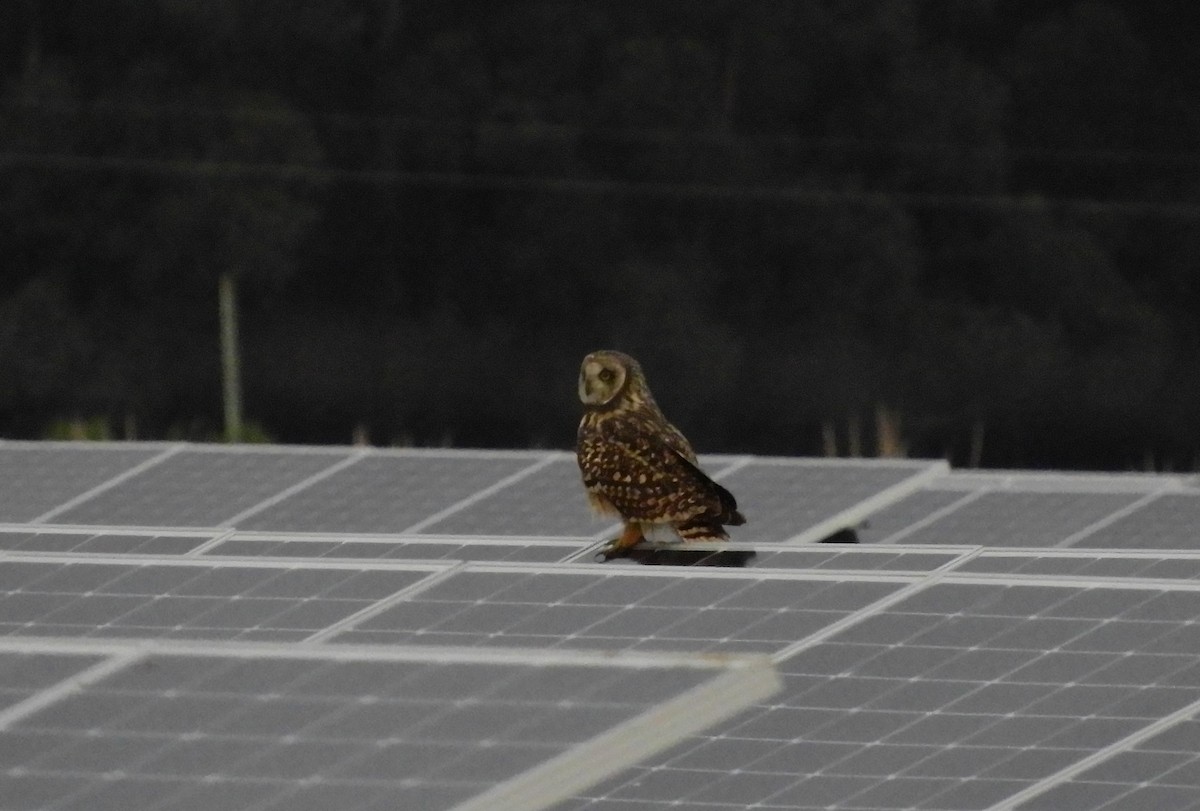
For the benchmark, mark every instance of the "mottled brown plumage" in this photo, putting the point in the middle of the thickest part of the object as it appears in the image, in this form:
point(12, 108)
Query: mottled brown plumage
point(636, 465)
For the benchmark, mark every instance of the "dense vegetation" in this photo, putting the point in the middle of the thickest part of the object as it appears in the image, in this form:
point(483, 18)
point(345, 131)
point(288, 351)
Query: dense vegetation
point(978, 219)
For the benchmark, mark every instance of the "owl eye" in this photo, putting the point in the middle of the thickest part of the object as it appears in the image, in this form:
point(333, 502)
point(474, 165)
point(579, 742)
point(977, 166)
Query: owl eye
point(606, 375)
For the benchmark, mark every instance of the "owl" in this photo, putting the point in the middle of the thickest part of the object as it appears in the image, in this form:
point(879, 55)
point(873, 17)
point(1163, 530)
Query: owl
point(637, 465)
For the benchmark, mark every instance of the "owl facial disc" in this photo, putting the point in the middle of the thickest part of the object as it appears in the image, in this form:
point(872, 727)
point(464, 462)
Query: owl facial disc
point(601, 378)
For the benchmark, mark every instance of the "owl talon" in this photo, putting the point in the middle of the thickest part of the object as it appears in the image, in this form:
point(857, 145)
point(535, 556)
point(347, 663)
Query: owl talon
point(621, 546)
point(613, 549)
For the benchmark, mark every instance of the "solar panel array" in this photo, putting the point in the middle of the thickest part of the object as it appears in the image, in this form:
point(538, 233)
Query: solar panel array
point(226, 627)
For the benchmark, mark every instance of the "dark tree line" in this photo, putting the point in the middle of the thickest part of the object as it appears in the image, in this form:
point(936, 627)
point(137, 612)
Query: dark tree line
point(978, 220)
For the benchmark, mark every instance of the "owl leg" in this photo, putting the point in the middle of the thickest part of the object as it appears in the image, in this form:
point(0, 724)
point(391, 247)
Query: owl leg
point(631, 535)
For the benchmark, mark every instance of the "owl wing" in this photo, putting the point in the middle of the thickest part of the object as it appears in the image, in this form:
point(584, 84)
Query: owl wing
point(639, 469)
point(728, 513)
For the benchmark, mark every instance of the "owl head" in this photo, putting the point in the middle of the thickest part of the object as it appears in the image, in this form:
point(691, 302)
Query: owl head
point(607, 377)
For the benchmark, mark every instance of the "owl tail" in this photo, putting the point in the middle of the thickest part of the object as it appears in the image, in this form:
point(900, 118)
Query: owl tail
point(701, 529)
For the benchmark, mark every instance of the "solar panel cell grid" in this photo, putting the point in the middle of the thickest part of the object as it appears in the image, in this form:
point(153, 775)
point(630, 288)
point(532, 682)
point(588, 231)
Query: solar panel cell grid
point(780, 499)
point(140, 544)
point(35, 479)
point(24, 674)
point(548, 502)
point(1006, 518)
point(807, 558)
point(384, 493)
point(197, 488)
point(613, 611)
point(396, 550)
point(1087, 565)
point(898, 519)
point(1168, 522)
point(85, 599)
point(899, 696)
point(186, 732)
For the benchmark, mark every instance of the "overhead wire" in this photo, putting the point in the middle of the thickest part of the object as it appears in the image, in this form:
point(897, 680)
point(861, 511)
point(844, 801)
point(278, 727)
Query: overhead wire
point(714, 192)
point(733, 192)
point(542, 130)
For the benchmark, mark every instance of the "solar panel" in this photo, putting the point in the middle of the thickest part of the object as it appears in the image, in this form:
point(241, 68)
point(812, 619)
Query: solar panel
point(38, 477)
point(152, 598)
point(806, 500)
point(387, 492)
point(1021, 519)
point(88, 540)
point(822, 557)
point(1159, 771)
point(547, 501)
point(24, 674)
point(1089, 564)
point(1166, 521)
point(188, 727)
point(898, 520)
point(208, 627)
point(490, 493)
point(197, 487)
point(960, 696)
point(584, 608)
point(535, 550)
point(1037, 510)
point(786, 499)
point(848, 558)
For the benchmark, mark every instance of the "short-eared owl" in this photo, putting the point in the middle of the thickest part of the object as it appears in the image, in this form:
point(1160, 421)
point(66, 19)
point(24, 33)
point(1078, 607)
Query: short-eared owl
point(637, 465)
